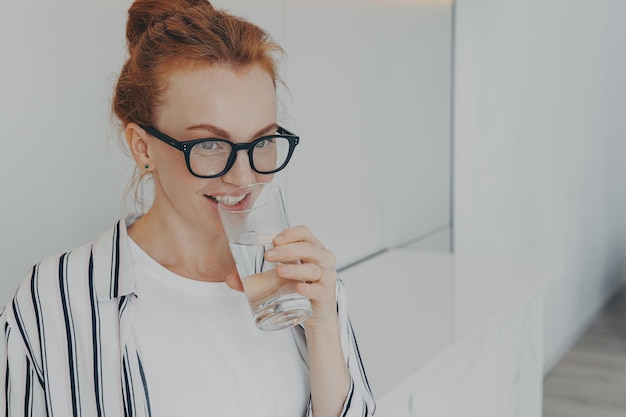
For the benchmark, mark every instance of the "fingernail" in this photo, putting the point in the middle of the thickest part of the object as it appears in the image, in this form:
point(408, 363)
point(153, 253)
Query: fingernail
point(271, 253)
point(283, 269)
point(278, 239)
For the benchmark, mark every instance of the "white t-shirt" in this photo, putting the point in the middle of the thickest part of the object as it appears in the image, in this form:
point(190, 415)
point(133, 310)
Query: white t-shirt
point(203, 355)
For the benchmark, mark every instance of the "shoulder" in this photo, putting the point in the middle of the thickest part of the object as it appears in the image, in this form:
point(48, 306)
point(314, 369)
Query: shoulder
point(46, 273)
point(57, 278)
point(41, 286)
point(60, 295)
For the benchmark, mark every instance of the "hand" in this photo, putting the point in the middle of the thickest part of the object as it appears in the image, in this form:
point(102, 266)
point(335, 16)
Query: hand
point(315, 275)
point(316, 271)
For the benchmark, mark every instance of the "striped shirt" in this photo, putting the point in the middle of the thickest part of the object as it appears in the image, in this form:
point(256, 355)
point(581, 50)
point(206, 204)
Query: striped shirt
point(69, 347)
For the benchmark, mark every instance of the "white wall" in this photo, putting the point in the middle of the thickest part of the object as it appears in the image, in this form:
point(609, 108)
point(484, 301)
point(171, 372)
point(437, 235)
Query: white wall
point(369, 95)
point(61, 172)
point(540, 146)
point(370, 84)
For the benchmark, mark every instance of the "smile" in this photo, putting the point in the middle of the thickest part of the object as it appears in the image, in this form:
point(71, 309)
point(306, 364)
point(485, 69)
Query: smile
point(229, 200)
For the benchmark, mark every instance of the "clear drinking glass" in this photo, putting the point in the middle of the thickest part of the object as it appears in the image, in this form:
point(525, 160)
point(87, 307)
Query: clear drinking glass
point(252, 216)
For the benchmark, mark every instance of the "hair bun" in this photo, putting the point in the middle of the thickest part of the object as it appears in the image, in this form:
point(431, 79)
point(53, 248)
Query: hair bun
point(144, 13)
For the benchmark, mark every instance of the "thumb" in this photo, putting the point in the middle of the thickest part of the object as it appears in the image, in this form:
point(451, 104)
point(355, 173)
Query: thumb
point(234, 282)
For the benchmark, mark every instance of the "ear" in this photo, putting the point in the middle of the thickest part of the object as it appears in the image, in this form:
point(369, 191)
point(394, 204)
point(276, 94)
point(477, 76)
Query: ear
point(136, 138)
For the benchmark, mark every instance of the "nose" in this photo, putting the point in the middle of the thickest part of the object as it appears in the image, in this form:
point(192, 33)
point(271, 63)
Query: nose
point(241, 173)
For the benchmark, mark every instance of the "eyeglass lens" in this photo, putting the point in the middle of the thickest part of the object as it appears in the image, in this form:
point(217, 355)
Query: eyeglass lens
point(211, 157)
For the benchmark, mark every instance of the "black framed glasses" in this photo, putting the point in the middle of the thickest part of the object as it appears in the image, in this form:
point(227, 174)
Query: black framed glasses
point(212, 157)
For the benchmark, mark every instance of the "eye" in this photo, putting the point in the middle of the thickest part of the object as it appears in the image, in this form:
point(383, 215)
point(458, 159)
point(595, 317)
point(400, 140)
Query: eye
point(265, 143)
point(211, 148)
point(208, 145)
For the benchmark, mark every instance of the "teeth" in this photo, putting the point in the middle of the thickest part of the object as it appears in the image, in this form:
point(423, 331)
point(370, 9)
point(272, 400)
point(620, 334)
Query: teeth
point(229, 200)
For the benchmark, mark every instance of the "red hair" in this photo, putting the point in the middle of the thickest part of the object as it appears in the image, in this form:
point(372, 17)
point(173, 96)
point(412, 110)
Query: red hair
point(165, 35)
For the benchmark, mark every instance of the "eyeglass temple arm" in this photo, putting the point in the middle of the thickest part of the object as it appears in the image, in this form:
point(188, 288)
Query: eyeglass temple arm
point(163, 137)
point(283, 131)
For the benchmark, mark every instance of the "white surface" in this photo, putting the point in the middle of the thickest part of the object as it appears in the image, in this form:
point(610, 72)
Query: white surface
point(540, 145)
point(416, 313)
point(369, 95)
point(500, 375)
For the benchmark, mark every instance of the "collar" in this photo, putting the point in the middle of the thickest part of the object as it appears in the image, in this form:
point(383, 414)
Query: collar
point(111, 263)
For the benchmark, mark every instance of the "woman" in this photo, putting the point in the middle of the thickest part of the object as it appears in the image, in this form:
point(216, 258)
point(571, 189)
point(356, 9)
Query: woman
point(145, 320)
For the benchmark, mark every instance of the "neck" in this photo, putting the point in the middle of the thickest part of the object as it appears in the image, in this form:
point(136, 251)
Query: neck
point(185, 249)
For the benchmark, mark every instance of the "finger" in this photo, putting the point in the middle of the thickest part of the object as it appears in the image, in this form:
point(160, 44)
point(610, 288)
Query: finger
point(306, 272)
point(317, 293)
point(234, 282)
point(302, 251)
point(263, 285)
point(296, 234)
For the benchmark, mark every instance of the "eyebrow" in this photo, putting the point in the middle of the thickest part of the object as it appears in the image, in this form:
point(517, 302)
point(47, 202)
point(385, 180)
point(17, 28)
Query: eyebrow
point(225, 135)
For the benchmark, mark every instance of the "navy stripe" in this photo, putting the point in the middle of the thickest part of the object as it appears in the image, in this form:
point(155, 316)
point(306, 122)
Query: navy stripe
point(349, 401)
point(122, 303)
point(126, 393)
point(360, 362)
point(116, 261)
point(20, 326)
point(42, 339)
point(34, 295)
point(95, 338)
point(129, 404)
point(7, 378)
point(28, 394)
point(69, 334)
point(145, 385)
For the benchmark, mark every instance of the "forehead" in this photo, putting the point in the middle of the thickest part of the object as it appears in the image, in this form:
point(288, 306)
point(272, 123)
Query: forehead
point(221, 95)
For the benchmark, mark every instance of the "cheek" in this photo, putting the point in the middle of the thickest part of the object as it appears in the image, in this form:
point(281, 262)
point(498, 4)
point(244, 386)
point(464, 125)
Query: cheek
point(167, 160)
point(264, 177)
point(173, 175)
